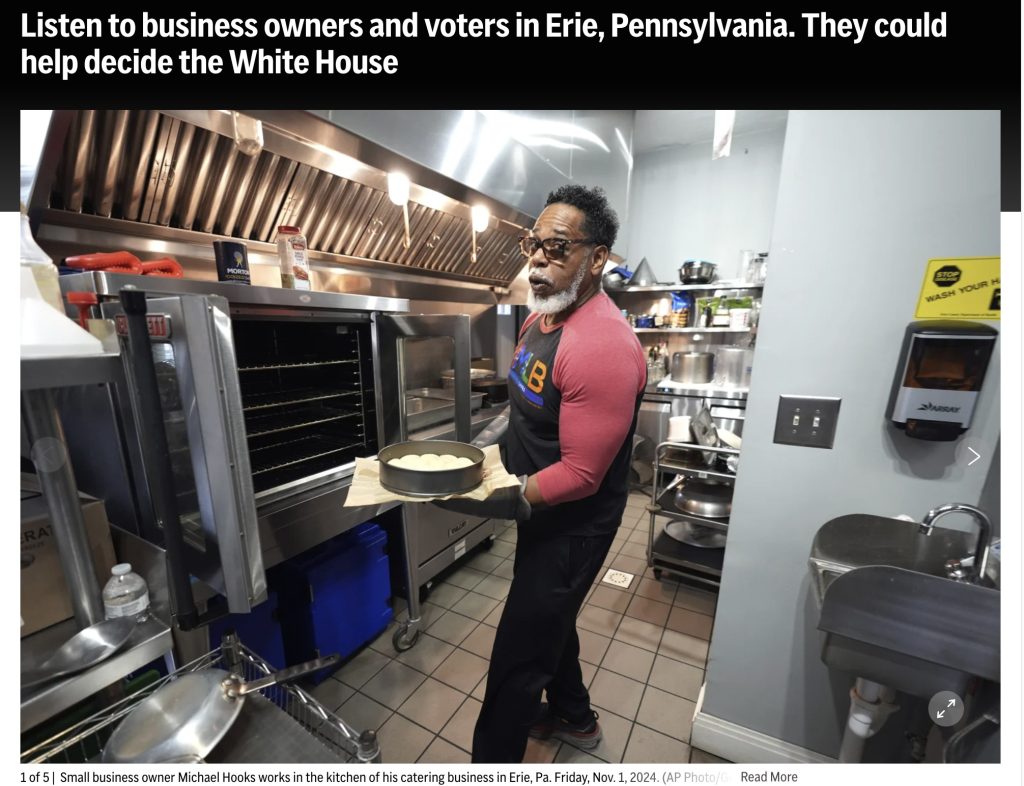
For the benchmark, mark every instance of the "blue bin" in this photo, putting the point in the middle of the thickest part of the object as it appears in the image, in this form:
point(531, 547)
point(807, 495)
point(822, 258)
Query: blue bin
point(259, 630)
point(337, 597)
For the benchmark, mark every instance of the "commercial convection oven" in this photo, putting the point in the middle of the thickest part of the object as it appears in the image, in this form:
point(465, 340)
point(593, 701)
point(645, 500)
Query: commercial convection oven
point(268, 397)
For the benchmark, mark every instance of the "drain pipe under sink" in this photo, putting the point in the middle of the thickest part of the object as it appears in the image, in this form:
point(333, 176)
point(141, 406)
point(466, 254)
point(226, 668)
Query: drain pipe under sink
point(870, 706)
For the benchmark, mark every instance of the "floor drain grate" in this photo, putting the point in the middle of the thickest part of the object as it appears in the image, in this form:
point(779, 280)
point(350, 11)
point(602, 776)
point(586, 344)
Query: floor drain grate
point(618, 578)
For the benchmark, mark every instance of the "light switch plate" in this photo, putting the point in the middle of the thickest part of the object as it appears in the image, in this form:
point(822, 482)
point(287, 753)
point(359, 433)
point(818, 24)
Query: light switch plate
point(808, 421)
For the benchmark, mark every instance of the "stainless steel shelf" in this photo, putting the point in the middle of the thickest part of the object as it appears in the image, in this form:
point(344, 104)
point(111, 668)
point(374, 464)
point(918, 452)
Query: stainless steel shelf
point(706, 390)
point(668, 509)
point(477, 423)
point(694, 470)
point(684, 287)
point(691, 330)
point(670, 554)
point(674, 445)
point(108, 285)
point(60, 372)
point(150, 640)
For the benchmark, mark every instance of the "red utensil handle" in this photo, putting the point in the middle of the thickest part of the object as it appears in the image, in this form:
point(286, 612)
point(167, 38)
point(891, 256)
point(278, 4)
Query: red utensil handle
point(120, 261)
point(163, 268)
point(83, 301)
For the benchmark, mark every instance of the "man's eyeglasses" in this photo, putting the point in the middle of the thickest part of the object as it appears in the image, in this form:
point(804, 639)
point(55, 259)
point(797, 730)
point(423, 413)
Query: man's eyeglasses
point(555, 248)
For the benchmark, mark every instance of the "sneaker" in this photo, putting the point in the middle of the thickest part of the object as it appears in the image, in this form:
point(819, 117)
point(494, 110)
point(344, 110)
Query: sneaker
point(586, 736)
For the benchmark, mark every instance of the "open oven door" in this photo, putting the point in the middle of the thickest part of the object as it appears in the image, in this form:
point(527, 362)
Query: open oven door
point(197, 379)
point(398, 342)
point(403, 347)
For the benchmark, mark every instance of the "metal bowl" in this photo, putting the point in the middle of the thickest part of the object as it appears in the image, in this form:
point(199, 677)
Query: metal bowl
point(431, 483)
point(701, 498)
point(695, 271)
point(614, 280)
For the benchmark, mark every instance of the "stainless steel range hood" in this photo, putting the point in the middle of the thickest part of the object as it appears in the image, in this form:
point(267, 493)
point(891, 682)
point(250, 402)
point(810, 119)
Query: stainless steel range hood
point(171, 182)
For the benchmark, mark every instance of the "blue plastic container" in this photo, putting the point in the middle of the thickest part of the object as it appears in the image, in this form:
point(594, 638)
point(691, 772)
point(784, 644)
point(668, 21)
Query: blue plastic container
point(337, 597)
point(259, 630)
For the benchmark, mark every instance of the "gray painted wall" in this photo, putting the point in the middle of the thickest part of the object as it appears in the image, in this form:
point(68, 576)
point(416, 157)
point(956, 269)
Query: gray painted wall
point(686, 206)
point(865, 199)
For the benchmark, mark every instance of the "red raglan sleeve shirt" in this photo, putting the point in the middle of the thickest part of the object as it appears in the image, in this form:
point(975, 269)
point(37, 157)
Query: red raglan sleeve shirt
point(600, 371)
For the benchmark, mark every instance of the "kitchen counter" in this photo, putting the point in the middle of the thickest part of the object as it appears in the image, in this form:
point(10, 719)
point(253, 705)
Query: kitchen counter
point(150, 640)
point(480, 420)
point(669, 388)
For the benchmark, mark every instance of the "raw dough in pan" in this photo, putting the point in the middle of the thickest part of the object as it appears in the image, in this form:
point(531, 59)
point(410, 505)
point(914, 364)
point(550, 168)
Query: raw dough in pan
point(431, 462)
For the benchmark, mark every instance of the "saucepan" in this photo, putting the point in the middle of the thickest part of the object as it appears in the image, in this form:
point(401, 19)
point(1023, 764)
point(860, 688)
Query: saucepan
point(692, 368)
point(185, 719)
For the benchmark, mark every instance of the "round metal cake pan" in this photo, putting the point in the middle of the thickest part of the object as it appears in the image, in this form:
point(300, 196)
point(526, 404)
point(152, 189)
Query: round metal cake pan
point(431, 483)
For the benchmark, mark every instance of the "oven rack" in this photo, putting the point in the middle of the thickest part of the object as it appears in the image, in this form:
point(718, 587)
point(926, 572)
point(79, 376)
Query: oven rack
point(275, 423)
point(254, 402)
point(292, 452)
point(307, 364)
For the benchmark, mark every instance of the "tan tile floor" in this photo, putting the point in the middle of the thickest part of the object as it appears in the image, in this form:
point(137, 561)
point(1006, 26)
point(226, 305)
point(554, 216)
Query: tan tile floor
point(643, 654)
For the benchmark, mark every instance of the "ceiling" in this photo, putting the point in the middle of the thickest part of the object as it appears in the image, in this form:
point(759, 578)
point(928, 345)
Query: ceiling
point(657, 128)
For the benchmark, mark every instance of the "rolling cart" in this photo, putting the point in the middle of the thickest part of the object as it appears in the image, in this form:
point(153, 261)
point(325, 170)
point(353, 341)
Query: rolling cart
point(285, 725)
point(665, 553)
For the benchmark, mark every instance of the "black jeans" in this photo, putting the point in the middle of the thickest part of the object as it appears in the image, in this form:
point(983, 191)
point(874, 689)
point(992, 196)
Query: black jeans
point(536, 647)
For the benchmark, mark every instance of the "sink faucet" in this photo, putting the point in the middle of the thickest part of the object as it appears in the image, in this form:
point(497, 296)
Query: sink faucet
point(984, 533)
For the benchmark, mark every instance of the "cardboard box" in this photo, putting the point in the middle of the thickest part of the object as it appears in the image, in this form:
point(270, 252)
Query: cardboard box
point(44, 593)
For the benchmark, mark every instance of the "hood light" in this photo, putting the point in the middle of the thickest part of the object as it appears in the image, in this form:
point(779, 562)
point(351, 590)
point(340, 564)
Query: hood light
point(480, 217)
point(398, 193)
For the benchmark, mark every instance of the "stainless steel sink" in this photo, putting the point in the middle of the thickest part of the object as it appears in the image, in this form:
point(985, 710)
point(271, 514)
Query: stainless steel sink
point(860, 540)
point(889, 613)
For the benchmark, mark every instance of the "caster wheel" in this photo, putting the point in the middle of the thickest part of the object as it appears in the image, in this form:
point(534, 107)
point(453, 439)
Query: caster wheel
point(402, 640)
point(657, 574)
point(487, 543)
point(425, 592)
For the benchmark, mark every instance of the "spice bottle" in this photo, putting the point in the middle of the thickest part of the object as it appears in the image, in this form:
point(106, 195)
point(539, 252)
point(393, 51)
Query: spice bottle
point(291, 249)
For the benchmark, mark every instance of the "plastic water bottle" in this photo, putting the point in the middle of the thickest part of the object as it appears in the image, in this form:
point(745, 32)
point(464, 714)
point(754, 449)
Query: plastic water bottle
point(126, 594)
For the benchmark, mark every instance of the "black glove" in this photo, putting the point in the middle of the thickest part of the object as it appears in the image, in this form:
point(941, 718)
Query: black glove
point(504, 503)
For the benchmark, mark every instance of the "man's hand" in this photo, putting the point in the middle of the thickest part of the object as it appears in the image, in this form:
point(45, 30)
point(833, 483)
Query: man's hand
point(504, 503)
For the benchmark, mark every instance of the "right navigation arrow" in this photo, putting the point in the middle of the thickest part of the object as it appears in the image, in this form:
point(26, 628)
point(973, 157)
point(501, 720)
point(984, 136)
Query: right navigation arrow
point(977, 455)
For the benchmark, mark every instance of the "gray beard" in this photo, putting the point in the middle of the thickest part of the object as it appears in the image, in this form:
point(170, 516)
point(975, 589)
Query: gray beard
point(560, 301)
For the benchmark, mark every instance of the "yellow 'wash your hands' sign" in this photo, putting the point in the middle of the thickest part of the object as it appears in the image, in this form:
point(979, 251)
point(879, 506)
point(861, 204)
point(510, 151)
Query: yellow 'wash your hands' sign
point(963, 288)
